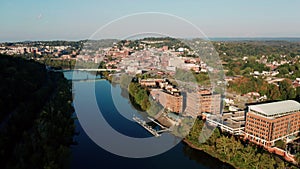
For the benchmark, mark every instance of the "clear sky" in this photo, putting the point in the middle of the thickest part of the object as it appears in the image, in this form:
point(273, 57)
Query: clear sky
point(78, 19)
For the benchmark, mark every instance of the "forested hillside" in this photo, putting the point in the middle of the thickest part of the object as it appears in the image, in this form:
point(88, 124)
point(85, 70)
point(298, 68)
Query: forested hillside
point(36, 125)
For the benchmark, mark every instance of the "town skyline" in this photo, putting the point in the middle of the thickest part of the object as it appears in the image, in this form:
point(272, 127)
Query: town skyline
point(149, 84)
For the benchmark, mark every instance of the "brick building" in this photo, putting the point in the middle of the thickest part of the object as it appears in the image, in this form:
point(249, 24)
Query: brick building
point(171, 102)
point(209, 102)
point(270, 122)
point(150, 82)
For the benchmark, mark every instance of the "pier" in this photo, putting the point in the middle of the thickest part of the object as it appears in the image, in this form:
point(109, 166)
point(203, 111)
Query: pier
point(153, 120)
point(146, 126)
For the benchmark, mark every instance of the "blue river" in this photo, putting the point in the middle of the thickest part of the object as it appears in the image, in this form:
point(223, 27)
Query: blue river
point(88, 155)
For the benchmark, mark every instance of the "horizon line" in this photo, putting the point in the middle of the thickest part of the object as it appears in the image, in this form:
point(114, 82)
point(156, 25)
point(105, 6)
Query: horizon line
point(214, 38)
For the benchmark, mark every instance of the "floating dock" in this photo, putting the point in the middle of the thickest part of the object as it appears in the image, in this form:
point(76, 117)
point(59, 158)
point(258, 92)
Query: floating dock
point(146, 126)
point(153, 120)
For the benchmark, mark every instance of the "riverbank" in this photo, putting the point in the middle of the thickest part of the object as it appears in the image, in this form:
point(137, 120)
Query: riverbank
point(87, 154)
point(223, 146)
point(234, 151)
point(185, 141)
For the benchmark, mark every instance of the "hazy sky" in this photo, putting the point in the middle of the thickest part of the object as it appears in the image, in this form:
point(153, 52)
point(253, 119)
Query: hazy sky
point(79, 19)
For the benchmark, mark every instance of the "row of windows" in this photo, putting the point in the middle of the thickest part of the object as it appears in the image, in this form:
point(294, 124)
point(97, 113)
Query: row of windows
point(296, 123)
point(295, 127)
point(257, 132)
point(278, 133)
point(257, 124)
point(254, 139)
point(275, 137)
point(280, 124)
point(257, 119)
point(259, 136)
point(260, 120)
point(280, 127)
point(283, 122)
point(287, 120)
point(265, 135)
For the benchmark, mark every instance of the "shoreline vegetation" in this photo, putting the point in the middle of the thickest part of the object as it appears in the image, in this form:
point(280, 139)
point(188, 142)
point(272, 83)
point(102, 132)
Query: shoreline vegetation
point(240, 59)
point(231, 150)
point(185, 141)
point(234, 150)
point(36, 125)
point(40, 151)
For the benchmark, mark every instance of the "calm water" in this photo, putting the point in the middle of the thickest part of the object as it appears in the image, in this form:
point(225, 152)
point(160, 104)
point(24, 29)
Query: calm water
point(88, 155)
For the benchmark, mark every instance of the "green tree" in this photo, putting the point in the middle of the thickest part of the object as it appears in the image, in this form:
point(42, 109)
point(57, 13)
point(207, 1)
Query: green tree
point(247, 71)
point(298, 158)
point(298, 93)
point(280, 144)
point(286, 90)
point(283, 70)
point(273, 92)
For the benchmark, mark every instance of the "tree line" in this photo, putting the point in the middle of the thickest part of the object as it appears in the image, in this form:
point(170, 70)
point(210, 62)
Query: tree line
point(235, 151)
point(284, 90)
point(36, 125)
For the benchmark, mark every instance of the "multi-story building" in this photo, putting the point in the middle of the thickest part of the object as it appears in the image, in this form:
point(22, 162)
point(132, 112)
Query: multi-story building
point(209, 102)
point(269, 122)
point(232, 122)
point(150, 82)
point(191, 104)
point(170, 101)
point(173, 102)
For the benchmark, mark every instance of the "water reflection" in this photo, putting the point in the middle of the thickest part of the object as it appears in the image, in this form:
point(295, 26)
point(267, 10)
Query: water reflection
point(88, 155)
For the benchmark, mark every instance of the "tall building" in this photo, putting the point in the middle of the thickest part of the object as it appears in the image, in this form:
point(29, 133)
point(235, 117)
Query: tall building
point(172, 102)
point(191, 104)
point(209, 102)
point(270, 122)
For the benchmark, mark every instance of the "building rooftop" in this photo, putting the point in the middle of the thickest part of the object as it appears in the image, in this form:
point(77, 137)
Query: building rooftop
point(276, 108)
